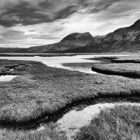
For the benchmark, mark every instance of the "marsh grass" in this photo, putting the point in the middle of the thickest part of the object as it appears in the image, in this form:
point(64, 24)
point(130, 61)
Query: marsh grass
point(130, 70)
point(49, 133)
point(118, 59)
point(119, 123)
point(126, 59)
point(40, 91)
point(12, 67)
point(128, 66)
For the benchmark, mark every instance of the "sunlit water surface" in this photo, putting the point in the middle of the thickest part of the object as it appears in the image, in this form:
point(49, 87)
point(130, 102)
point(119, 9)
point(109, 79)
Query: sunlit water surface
point(65, 62)
point(75, 119)
point(6, 78)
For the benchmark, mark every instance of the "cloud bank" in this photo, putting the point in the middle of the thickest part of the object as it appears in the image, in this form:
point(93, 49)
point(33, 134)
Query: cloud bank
point(25, 23)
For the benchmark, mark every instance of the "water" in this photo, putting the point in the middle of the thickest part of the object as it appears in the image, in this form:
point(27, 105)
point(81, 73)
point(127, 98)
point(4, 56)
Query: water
point(74, 120)
point(6, 78)
point(65, 62)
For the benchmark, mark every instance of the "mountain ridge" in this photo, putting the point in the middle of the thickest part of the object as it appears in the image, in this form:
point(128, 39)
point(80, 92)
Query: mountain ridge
point(125, 39)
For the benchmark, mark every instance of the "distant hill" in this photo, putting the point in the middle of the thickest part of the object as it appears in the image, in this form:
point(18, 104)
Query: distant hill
point(13, 50)
point(122, 40)
point(70, 42)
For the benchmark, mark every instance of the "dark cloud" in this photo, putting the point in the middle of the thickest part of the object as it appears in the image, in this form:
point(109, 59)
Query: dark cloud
point(119, 10)
point(26, 14)
point(13, 35)
point(64, 13)
point(95, 6)
point(49, 37)
point(101, 6)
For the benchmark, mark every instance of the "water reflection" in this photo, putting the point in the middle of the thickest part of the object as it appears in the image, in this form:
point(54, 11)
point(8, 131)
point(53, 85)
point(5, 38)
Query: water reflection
point(81, 67)
point(76, 119)
point(6, 78)
point(79, 63)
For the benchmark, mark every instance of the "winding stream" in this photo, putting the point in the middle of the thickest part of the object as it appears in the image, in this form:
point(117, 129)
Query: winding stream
point(73, 120)
point(77, 118)
point(81, 63)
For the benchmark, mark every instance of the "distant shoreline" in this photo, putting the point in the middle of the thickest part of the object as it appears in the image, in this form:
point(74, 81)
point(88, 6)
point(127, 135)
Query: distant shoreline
point(59, 54)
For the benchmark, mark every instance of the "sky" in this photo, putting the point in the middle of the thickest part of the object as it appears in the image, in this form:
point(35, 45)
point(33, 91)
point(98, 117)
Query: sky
point(27, 23)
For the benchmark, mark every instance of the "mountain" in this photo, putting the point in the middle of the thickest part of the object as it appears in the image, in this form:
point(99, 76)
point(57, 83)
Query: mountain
point(122, 40)
point(70, 42)
point(78, 37)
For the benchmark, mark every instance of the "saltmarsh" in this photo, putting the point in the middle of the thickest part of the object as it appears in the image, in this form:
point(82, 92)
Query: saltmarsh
point(41, 91)
point(128, 66)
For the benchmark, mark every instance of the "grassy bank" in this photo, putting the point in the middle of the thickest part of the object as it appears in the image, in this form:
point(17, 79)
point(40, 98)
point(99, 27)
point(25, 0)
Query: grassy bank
point(126, 59)
point(130, 70)
point(41, 90)
point(119, 123)
point(35, 54)
point(13, 67)
point(128, 66)
point(49, 133)
point(118, 59)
